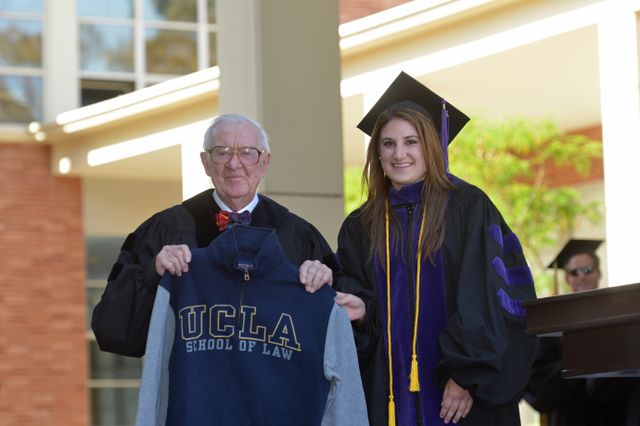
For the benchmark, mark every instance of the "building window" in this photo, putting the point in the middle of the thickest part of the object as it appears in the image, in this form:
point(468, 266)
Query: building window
point(171, 10)
point(28, 6)
point(171, 51)
point(140, 42)
point(21, 43)
point(145, 41)
point(106, 9)
point(20, 98)
point(106, 48)
point(20, 61)
point(100, 90)
point(114, 380)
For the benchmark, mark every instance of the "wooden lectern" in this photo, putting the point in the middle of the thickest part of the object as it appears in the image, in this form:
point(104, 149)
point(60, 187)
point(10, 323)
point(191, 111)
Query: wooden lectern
point(600, 330)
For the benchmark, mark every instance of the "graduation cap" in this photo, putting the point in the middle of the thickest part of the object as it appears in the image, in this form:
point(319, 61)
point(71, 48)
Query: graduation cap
point(572, 248)
point(407, 92)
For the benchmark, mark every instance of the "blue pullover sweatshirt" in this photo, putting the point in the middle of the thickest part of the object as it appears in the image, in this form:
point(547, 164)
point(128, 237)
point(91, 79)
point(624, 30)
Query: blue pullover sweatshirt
point(238, 341)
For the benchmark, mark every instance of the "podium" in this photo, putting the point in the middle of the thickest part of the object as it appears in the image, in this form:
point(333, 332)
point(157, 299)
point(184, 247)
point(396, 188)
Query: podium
point(600, 330)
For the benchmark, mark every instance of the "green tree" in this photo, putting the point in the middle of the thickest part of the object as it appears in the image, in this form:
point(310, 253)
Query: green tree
point(512, 162)
point(353, 189)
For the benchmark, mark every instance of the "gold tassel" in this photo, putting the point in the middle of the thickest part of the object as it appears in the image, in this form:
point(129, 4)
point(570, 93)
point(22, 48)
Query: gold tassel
point(392, 412)
point(414, 383)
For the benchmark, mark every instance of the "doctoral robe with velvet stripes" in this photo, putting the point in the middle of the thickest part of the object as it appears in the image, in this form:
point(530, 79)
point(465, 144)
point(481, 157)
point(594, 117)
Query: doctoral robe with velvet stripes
point(471, 321)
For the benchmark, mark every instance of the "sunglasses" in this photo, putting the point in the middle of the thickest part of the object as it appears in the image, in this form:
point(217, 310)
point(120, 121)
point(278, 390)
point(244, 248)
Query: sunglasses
point(585, 270)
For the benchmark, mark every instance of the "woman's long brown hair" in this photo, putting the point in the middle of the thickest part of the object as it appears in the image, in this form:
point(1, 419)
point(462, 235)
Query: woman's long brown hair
point(434, 192)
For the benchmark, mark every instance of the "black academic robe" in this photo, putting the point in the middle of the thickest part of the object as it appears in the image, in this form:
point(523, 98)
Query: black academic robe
point(579, 402)
point(121, 319)
point(480, 343)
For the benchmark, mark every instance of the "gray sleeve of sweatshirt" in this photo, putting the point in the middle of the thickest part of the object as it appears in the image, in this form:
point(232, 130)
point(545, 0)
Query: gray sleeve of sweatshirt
point(154, 386)
point(345, 403)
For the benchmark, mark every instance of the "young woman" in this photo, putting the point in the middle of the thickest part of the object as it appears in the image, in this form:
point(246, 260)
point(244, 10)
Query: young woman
point(441, 274)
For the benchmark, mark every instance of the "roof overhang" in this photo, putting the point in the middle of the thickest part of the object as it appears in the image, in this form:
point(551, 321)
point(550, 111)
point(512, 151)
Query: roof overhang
point(150, 101)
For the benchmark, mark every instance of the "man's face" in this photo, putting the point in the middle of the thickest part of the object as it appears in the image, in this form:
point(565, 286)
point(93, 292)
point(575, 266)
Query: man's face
point(581, 273)
point(235, 181)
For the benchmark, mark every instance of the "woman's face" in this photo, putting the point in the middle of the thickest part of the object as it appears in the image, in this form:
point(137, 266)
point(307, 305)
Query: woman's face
point(401, 153)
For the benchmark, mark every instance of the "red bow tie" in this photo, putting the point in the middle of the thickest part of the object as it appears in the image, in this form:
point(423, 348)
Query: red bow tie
point(226, 219)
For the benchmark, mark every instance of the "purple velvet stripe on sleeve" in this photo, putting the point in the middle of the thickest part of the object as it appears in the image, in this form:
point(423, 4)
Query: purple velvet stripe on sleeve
point(496, 235)
point(509, 243)
point(513, 306)
point(514, 276)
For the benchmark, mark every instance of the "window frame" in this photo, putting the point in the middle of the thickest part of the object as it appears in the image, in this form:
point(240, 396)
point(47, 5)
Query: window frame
point(27, 71)
point(140, 76)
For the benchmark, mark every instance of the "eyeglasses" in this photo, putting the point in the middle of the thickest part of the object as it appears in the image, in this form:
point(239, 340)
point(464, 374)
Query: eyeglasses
point(248, 155)
point(585, 270)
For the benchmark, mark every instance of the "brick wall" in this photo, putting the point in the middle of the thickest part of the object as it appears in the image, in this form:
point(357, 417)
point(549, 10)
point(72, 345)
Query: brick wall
point(565, 175)
point(355, 9)
point(43, 359)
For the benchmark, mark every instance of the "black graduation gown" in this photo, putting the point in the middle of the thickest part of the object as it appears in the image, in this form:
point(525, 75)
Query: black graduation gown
point(483, 345)
point(579, 402)
point(121, 319)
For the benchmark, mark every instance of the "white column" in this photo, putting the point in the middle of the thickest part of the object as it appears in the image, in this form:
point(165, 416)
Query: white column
point(280, 64)
point(620, 103)
point(239, 57)
point(61, 58)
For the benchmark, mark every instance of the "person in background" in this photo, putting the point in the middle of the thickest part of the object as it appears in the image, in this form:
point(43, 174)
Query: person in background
point(578, 401)
point(236, 156)
point(440, 272)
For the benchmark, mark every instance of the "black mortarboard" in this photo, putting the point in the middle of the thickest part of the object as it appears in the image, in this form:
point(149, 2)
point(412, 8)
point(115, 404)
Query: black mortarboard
point(407, 92)
point(572, 248)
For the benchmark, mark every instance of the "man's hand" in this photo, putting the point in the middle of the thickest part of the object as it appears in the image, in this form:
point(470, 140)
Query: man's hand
point(456, 402)
point(314, 274)
point(174, 259)
point(354, 306)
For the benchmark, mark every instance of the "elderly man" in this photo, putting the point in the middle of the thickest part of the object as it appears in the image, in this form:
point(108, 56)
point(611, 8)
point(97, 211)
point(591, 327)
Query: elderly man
point(236, 157)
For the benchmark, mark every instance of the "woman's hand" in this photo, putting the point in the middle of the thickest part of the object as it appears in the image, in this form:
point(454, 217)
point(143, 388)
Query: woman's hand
point(456, 402)
point(354, 306)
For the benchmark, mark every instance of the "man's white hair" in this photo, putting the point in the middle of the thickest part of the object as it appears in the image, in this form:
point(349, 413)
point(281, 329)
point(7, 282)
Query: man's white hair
point(235, 118)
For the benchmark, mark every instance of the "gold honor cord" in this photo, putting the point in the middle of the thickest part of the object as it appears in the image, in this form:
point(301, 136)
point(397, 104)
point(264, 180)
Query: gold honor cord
point(414, 384)
point(392, 404)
